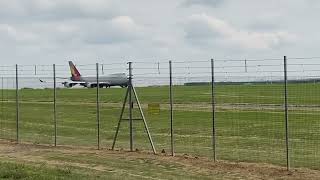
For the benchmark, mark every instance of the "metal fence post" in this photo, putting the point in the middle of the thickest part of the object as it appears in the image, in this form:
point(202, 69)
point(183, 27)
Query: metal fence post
point(214, 146)
point(130, 105)
point(286, 111)
point(98, 106)
point(2, 109)
point(171, 108)
point(55, 104)
point(17, 105)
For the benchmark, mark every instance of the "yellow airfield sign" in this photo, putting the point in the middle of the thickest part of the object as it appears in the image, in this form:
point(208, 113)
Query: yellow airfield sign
point(154, 108)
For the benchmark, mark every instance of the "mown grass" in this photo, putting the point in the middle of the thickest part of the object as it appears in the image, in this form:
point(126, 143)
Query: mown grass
point(299, 94)
point(249, 134)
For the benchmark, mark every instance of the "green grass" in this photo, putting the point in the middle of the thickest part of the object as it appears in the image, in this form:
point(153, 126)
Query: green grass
point(300, 94)
point(13, 170)
point(249, 133)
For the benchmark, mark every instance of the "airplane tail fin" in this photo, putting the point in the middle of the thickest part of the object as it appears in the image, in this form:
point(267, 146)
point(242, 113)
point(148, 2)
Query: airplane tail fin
point(75, 74)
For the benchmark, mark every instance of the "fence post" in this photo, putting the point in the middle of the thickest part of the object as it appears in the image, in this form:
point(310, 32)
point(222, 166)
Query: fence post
point(171, 108)
point(214, 146)
point(98, 107)
point(286, 111)
point(17, 105)
point(55, 104)
point(2, 103)
point(130, 105)
point(102, 69)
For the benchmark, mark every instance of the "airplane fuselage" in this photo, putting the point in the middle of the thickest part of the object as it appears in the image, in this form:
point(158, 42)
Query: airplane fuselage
point(119, 79)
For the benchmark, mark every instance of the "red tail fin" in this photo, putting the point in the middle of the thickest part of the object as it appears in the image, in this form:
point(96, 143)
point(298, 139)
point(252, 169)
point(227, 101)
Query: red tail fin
point(75, 75)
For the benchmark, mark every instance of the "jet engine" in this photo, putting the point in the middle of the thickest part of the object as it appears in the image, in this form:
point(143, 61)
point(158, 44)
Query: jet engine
point(68, 85)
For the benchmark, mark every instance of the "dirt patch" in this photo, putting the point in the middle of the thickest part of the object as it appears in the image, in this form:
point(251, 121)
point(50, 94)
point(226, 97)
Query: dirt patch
point(196, 165)
point(199, 106)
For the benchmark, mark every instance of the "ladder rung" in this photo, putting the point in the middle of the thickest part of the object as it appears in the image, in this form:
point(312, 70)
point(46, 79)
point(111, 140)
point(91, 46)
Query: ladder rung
point(132, 119)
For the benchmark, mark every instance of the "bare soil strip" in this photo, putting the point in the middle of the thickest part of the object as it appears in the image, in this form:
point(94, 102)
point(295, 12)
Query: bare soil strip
point(203, 107)
point(33, 154)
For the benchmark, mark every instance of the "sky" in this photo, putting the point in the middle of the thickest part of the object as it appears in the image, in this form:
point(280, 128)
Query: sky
point(110, 31)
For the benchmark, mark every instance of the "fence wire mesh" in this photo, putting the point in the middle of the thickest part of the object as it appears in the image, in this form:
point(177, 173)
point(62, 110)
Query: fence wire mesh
point(192, 109)
point(8, 121)
point(250, 113)
point(229, 109)
point(35, 104)
point(304, 112)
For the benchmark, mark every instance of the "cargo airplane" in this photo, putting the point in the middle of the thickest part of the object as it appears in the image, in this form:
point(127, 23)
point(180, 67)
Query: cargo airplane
point(118, 79)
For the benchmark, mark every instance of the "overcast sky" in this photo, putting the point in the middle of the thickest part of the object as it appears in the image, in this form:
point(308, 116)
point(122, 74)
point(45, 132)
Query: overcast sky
point(89, 31)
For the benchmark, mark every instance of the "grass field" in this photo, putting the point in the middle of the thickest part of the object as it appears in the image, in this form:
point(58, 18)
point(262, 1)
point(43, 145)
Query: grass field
point(249, 120)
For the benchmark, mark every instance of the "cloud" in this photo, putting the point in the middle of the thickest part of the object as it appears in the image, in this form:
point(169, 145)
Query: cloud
point(13, 35)
point(118, 30)
point(63, 22)
point(33, 10)
point(212, 3)
point(206, 29)
point(36, 31)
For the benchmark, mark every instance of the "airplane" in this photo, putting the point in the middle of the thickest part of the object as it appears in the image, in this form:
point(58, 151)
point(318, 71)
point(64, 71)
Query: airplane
point(117, 79)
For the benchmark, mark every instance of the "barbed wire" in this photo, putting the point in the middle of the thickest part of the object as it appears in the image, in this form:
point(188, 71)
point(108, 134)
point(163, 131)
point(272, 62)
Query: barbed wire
point(298, 58)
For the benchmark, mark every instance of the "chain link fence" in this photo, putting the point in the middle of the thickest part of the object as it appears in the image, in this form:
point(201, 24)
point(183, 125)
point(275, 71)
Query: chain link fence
point(246, 110)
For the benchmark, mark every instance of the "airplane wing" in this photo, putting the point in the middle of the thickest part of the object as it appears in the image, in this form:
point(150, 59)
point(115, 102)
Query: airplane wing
point(62, 78)
point(68, 81)
point(67, 84)
point(56, 78)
